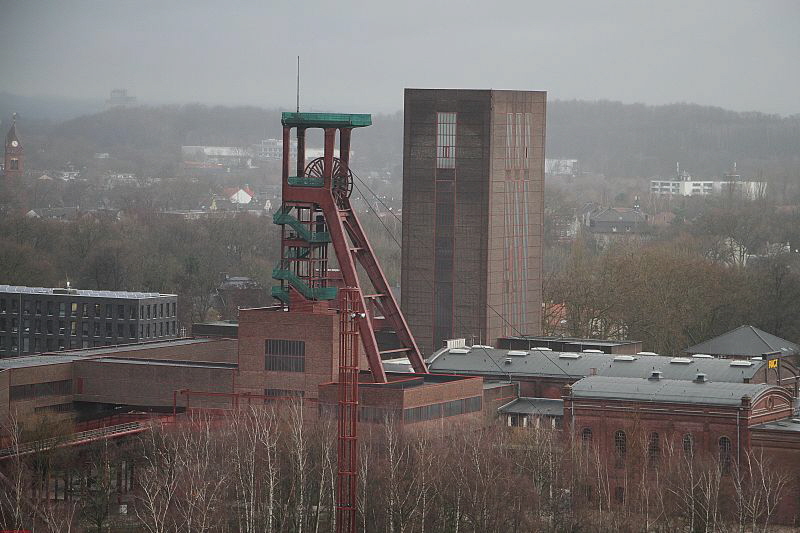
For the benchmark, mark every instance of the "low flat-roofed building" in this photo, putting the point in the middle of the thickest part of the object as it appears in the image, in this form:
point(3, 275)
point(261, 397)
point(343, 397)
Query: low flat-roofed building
point(542, 373)
point(533, 413)
point(128, 375)
point(412, 399)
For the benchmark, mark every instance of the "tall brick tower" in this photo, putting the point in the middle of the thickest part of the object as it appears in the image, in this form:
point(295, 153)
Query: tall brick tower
point(13, 161)
point(473, 202)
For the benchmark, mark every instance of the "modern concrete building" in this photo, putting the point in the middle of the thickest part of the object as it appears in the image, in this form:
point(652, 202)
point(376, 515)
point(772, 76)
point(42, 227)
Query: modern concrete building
point(473, 168)
point(37, 319)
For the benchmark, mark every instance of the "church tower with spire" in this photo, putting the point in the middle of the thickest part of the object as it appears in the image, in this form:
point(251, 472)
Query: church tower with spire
point(14, 159)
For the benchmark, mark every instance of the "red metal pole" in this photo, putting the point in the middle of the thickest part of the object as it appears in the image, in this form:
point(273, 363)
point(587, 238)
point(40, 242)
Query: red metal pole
point(347, 449)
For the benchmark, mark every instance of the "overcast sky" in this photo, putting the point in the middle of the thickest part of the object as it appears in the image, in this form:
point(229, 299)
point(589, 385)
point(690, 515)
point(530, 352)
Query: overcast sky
point(358, 56)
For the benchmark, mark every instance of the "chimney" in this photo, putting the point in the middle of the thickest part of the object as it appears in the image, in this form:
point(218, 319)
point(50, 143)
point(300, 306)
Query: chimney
point(701, 378)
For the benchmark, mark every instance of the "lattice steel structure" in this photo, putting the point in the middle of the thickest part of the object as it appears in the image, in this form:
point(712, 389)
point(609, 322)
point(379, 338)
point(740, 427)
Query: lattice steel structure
point(315, 214)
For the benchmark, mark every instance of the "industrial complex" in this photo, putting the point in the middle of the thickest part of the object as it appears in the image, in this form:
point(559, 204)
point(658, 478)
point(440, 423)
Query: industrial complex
point(461, 346)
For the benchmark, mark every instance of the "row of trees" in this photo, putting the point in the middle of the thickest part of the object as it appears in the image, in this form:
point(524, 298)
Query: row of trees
point(140, 252)
point(266, 468)
point(670, 294)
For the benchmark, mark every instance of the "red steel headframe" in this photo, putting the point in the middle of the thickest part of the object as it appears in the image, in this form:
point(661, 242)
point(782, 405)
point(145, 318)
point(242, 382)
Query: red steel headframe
point(347, 446)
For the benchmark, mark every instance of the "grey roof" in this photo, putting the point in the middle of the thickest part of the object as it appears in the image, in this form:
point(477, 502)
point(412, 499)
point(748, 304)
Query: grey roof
point(745, 341)
point(104, 350)
point(534, 406)
point(163, 362)
point(35, 360)
point(496, 362)
point(26, 361)
point(791, 425)
point(619, 214)
point(666, 390)
point(79, 292)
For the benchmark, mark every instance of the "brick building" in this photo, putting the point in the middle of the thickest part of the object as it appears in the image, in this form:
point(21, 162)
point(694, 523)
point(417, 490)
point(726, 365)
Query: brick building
point(36, 319)
point(633, 425)
point(473, 201)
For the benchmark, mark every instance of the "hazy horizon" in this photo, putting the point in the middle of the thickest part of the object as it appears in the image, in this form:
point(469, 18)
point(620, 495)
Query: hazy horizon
point(724, 54)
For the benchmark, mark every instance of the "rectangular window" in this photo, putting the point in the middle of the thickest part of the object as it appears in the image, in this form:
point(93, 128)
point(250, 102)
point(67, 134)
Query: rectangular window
point(282, 394)
point(38, 309)
point(161, 311)
point(84, 329)
point(49, 327)
point(39, 390)
point(133, 312)
point(74, 309)
point(120, 330)
point(285, 355)
point(445, 140)
point(2, 324)
point(109, 311)
point(442, 410)
point(148, 311)
point(97, 329)
point(121, 312)
point(50, 308)
point(13, 164)
point(62, 309)
point(98, 311)
point(73, 328)
point(132, 331)
point(108, 330)
point(174, 306)
point(2, 305)
point(26, 307)
point(85, 311)
point(37, 324)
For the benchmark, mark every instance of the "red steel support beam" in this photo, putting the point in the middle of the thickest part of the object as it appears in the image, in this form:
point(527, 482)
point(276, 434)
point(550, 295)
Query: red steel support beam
point(351, 311)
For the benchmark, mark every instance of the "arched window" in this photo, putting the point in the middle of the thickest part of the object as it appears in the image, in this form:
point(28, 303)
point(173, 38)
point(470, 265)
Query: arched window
point(620, 447)
point(586, 436)
point(653, 449)
point(725, 454)
point(688, 446)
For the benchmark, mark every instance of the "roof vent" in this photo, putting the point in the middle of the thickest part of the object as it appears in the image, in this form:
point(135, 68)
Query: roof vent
point(646, 353)
point(655, 375)
point(624, 358)
point(507, 361)
point(542, 349)
point(592, 351)
point(680, 360)
point(701, 378)
point(484, 346)
point(568, 355)
point(740, 362)
point(517, 353)
point(455, 343)
point(460, 351)
point(757, 358)
point(702, 356)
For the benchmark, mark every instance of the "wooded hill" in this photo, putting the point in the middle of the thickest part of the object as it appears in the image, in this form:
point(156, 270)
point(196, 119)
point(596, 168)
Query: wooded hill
point(615, 139)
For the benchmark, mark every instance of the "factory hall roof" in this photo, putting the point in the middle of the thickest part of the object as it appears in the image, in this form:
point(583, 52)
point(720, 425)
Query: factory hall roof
point(745, 341)
point(486, 361)
point(666, 390)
